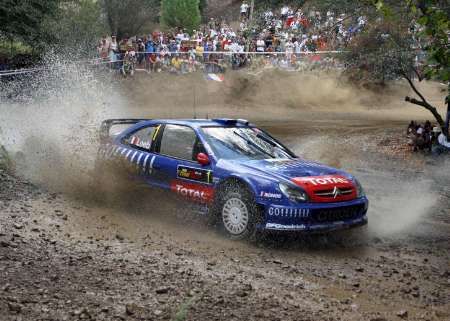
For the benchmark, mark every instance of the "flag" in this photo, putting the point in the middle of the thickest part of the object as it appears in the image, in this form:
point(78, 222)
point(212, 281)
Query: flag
point(215, 77)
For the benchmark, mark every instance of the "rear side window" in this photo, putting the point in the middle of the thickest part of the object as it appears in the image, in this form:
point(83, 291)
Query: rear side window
point(178, 141)
point(142, 138)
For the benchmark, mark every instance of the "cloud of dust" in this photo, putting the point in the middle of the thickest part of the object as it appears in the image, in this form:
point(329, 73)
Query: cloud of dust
point(399, 204)
point(50, 127)
point(401, 207)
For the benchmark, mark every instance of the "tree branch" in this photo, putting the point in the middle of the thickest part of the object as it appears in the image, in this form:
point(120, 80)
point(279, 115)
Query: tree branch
point(417, 73)
point(411, 84)
point(428, 107)
point(423, 102)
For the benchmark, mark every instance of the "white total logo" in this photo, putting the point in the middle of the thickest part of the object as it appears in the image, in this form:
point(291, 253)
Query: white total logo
point(328, 180)
point(188, 192)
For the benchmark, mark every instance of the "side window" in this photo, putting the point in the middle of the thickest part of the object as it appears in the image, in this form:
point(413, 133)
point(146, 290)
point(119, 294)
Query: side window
point(178, 141)
point(142, 138)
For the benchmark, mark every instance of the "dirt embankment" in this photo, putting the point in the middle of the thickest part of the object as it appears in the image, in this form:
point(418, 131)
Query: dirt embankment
point(273, 95)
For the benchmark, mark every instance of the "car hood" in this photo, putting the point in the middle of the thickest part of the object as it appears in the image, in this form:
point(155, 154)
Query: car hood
point(291, 168)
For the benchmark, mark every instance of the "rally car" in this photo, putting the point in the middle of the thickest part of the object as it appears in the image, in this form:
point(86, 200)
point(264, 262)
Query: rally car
point(245, 179)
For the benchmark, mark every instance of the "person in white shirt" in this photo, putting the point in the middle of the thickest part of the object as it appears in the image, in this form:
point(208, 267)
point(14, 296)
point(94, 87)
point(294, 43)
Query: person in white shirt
point(244, 10)
point(297, 47)
point(442, 140)
point(284, 12)
point(289, 48)
point(113, 49)
point(260, 45)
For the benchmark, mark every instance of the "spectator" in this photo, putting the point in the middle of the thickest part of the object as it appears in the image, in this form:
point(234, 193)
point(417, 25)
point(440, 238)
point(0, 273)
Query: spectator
point(140, 51)
point(277, 31)
point(103, 49)
point(176, 65)
point(113, 51)
point(244, 10)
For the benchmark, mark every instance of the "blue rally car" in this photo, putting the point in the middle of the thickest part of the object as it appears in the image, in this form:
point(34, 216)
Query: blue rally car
point(244, 178)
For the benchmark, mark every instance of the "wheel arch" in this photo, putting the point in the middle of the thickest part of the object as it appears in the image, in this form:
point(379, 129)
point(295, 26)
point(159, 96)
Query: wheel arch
point(234, 179)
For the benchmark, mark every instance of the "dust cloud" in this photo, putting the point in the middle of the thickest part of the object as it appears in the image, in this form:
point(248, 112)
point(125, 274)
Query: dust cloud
point(51, 127)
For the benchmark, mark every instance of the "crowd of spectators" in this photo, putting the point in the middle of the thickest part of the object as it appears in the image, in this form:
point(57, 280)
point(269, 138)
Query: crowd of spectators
point(426, 137)
point(279, 38)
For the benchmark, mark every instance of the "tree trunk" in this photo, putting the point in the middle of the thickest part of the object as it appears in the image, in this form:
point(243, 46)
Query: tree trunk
point(447, 120)
point(424, 103)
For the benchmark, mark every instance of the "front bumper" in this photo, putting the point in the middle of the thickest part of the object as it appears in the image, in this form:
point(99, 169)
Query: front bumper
point(315, 217)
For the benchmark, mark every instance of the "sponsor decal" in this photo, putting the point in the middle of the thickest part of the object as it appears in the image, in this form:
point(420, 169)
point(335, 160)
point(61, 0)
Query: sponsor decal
point(327, 188)
point(326, 180)
point(136, 141)
point(312, 227)
point(194, 174)
point(274, 226)
point(270, 195)
point(192, 191)
point(289, 212)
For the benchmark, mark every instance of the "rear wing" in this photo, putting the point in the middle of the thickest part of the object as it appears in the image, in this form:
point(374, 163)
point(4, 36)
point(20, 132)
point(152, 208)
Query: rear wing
point(105, 128)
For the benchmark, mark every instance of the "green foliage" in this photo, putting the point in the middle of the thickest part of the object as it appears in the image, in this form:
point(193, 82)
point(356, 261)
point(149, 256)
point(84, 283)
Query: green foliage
point(379, 54)
point(129, 17)
point(202, 6)
point(180, 14)
point(12, 48)
point(434, 16)
point(77, 27)
point(278, 3)
point(23, 20)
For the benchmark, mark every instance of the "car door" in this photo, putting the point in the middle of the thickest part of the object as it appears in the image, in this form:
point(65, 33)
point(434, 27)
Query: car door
point(138, 156)
point(176, 166)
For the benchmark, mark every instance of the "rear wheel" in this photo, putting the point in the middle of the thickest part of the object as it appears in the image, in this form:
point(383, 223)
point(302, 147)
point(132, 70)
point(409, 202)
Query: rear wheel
point(236, 211)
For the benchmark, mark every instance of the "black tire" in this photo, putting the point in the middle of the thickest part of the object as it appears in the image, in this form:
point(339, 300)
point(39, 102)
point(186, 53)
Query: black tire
point(235, 211)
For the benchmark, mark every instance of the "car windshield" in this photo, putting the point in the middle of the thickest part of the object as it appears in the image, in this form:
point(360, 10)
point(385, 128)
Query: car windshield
point(244, 143)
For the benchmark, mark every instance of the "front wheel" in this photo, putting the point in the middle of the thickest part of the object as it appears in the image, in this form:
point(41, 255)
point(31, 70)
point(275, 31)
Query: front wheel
point(236, 212)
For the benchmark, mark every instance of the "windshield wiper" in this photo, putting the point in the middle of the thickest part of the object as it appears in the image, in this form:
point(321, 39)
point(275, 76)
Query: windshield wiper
point(254, 144)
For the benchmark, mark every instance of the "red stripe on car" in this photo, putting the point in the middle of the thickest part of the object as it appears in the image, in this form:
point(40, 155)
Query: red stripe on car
point(327, 188)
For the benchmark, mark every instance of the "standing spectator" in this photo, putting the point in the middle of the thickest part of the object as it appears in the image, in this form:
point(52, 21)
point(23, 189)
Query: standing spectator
point(103, 49)
point(244, 10)
point(113, 51)
point(260, 45)
point(284, 13)
point(140, 51)
point(176, 65)
point(289, 48)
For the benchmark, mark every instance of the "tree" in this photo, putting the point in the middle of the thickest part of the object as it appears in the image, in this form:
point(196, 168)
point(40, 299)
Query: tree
point(23, 20)
point(398, 34)
point(180, 14)
point(128, 17)
point(202, 6)
point(434, 18)
point(77, 26)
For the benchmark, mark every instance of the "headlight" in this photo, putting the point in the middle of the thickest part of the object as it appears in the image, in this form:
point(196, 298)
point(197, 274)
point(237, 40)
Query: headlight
point(293, 193)
point(359, 189)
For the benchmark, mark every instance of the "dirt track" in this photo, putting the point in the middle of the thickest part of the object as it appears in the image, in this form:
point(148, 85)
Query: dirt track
point(66, 259)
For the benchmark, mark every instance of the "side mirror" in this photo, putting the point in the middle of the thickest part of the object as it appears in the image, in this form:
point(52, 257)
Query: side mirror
point(203, 159)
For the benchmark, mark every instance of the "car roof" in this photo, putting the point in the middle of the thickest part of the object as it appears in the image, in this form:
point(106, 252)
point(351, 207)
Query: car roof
point(220, 122)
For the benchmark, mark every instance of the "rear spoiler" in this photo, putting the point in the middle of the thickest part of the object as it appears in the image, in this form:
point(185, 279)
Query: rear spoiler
point(107, 124)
